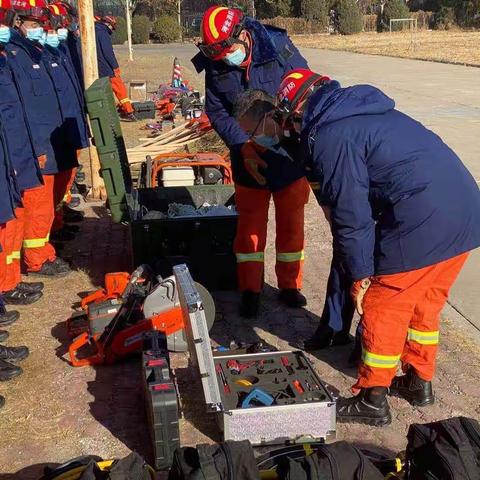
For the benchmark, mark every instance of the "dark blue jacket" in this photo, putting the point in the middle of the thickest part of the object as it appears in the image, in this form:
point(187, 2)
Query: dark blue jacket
point(69, 98)
point(17, 132)
point(72, 48)
point(39, 100)
point(273, 55)
point(107, 61)
point(400, 198)
point(9, 192)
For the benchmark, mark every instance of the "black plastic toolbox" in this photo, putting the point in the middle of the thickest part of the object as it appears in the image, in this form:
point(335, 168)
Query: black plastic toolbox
point(160, 399)
point(205, 244)
point(144, 110)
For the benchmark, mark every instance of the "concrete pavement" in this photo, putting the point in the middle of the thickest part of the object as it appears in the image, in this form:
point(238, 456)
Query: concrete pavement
point(446, 98)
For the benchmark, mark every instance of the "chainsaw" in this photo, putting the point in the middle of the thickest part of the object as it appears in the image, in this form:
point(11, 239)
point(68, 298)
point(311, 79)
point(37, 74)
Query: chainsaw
point(113, 320)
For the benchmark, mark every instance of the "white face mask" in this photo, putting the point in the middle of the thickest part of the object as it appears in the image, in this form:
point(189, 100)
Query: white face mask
point(62, 34)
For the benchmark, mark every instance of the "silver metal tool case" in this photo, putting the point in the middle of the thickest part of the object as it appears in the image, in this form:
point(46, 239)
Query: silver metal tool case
point(303, 410)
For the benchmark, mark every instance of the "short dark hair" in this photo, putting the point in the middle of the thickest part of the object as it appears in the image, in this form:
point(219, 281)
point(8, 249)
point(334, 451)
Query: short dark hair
point(254, 103)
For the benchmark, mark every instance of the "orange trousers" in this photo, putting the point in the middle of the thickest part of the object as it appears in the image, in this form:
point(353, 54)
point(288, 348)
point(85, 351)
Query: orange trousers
point(62, 195)
point(12, 246)
point(3, 254)
point(252, 206)
point(120, 91)
point(401, 322)
point(39, 213)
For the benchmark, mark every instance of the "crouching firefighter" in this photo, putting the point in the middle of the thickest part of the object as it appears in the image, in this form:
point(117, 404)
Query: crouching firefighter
point(238, 53)
point(404, 212)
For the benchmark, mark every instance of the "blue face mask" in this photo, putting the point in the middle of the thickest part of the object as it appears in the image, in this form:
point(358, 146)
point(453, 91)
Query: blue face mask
point(235, 58)
point(35, 34)
point(62, 34)
point(52, 40)
point(4, 34)
point(266, 141)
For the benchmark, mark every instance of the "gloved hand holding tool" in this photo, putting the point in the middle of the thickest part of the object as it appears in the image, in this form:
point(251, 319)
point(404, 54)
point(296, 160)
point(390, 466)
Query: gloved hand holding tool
point(358, 291)
point(250, 153)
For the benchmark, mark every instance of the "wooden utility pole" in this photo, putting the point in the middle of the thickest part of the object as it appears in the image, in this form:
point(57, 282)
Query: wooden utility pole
point(129, 29)
point(90, 74)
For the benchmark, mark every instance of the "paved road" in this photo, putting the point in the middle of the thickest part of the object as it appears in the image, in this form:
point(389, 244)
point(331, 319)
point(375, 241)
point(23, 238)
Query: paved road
point(446, 98)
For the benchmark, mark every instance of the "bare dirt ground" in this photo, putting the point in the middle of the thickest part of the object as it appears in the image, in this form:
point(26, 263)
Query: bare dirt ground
point(55, 412)
point(439, 46)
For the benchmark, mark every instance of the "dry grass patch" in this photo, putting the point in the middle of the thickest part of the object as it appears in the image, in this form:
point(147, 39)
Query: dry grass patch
point(439, 46)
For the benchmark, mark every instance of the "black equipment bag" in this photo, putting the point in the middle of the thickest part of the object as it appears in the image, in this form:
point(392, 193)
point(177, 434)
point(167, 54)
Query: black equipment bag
point(224, 461)
point(445, 450)
point(337, 461)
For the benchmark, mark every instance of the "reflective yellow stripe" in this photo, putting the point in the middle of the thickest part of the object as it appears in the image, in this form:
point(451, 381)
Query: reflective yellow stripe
point(211, 22)
point(250, 257)
point(423, 338)
point(379, 361)
point(315, 185)
point(36, 242)
point(13, 256)
point(124, 100)
point(291, 257)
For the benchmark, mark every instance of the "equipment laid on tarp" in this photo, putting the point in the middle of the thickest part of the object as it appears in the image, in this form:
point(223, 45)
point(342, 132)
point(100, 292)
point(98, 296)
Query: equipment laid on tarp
point(113, 320)
point(161, 402)
point(267, 398)
point(201, 243)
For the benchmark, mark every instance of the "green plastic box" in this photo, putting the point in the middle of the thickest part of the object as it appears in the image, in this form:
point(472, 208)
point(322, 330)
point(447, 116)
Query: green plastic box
point(205, 244)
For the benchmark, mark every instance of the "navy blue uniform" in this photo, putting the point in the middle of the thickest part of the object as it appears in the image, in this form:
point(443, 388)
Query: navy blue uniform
point(72, 48)
point(400, 198)
point(39, 99)
point(63, 76)
point(107, 61)
point(9, 192)
point(273, 56)
point(18, 135)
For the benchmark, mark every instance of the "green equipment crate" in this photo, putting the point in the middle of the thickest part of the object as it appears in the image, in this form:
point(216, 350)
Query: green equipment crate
point(205, 244)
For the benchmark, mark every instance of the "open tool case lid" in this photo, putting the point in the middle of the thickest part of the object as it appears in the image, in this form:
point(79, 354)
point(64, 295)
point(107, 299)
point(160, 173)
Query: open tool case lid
point(197, 336)
point(108, 137)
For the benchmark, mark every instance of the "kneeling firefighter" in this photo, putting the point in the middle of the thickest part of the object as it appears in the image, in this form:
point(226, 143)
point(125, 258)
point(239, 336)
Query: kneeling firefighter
point(238, 53)
point(404, 212)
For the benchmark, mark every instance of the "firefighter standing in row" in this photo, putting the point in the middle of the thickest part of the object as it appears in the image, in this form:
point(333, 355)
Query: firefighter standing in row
point(74, 127)
point(108, 65)
point(44, 121)
point(238, 53)
point(27, 174)
point(404, 212)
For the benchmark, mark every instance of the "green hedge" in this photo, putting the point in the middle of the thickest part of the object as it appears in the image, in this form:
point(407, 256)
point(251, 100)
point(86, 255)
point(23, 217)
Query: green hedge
point(141, 27)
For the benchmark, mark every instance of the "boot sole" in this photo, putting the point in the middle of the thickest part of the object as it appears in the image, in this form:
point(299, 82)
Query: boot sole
point(373, 422)
point(412, 401)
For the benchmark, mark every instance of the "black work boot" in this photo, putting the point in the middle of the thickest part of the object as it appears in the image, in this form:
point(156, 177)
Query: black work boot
point(72, 216)
point(3, 335)
point(324, 337)
point(13, 354)
point(62, 235)
point(370, 406)
point(292, 298)
point(18, 296)
point(8, 371)
point(30, 287)
point(57, 268)
point(128, 117)
point(8, 318)
point(249, 304)
point(412, 388)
